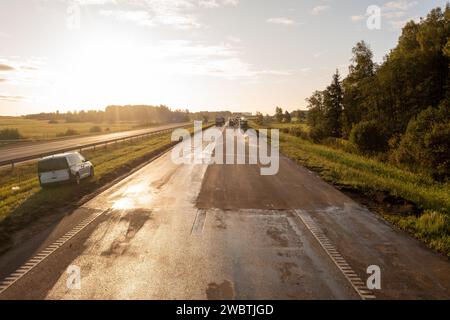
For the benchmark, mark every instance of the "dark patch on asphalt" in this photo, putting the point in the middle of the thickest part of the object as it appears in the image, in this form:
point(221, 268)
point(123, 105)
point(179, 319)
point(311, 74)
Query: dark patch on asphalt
point(288, 273)
point(221, 291)
point(277, 235)
point(136, 220)
point(158, 184)
point(220, 222)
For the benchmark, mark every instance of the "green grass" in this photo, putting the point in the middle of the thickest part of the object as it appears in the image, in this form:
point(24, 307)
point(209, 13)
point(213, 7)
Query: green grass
point(367, 175)
point(302, 126)
point(431, 227)
point(41, 129)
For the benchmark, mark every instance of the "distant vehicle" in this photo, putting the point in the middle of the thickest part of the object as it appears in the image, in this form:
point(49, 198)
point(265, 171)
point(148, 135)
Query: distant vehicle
point(233, 121)
point(70, 166)
point(220, 121)
point(243, 124)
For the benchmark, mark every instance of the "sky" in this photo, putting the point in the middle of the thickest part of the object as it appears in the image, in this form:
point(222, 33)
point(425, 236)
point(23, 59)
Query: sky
point(238, 55)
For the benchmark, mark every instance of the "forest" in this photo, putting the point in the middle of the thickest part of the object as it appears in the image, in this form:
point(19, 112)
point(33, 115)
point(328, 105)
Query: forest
point(397, 111)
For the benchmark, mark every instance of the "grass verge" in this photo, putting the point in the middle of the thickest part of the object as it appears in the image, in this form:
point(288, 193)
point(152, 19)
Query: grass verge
point(411, 201)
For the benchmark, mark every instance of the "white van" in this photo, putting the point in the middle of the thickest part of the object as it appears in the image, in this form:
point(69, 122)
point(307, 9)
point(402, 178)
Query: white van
point(70, 166)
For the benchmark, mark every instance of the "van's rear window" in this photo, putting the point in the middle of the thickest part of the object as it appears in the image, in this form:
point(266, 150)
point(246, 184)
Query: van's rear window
point(52, 164)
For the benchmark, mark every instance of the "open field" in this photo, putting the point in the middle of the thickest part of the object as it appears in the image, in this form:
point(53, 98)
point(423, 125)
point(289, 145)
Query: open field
point(431, 199)
point(42, 129)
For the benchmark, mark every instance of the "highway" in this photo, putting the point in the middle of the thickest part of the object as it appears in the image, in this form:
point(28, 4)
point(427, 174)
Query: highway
point(23, 150)
point(223, 231)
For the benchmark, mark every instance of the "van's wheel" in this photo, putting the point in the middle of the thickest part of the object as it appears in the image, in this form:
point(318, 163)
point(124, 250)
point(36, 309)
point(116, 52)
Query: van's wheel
point(77, 179)
point(92, 172)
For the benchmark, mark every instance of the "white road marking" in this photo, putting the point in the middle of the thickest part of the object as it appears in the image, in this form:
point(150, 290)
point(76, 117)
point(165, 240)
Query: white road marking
point(336, 257)
point(199, 222)
point(41, 256)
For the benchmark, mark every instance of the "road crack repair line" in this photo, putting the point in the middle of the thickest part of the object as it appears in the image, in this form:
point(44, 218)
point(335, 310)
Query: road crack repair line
point(42, 255)
point(336, 257)
point(199, 222)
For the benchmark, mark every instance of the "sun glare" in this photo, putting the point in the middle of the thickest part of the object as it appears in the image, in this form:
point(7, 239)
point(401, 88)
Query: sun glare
point(109, 71)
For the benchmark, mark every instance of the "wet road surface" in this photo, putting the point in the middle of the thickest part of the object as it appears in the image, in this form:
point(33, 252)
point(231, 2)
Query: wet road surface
point(198, 231)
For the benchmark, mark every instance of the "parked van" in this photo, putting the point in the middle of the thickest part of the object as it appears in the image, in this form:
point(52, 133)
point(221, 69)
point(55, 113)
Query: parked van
point(70, 166)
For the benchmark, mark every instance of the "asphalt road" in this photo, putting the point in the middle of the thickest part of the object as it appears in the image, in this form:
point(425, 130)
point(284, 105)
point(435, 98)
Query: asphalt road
point(197, 231)
point(31, 149)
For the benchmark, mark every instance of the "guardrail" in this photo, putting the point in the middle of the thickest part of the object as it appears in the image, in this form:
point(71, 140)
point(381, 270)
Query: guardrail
point(105, 143)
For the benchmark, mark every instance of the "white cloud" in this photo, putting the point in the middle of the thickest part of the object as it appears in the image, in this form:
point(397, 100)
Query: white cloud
point(180, 14)
point(281, 20)
point(140, 17)
point(305, 70)
point(274, 72)
point(6, 67)
point(234, 39)
point(224, 61)
point(94, 2)
point(231, 2)
point(398, 24)
point(393, 14)
point(209, 3)
point(357, 18)
point(319, 54)
point(395, 11)
point(18, 70)
point(319, 9)
point(11, 98)
point(400, 5)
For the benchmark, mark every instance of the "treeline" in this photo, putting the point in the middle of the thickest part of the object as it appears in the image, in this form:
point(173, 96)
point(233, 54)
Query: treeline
point(400, 109)
point(280, 116)
point(146, 114)
point(141, 114)
point(206, 116)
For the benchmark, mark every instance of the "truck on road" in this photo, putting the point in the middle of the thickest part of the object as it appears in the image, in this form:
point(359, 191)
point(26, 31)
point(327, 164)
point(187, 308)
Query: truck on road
point(243, 124)
point(220, 121)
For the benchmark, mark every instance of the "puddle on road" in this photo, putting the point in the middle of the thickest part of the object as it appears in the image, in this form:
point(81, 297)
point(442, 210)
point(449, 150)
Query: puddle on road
point(135, 196)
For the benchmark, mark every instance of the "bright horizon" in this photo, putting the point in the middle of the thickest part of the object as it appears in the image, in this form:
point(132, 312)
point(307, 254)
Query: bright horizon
point(237, 55)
